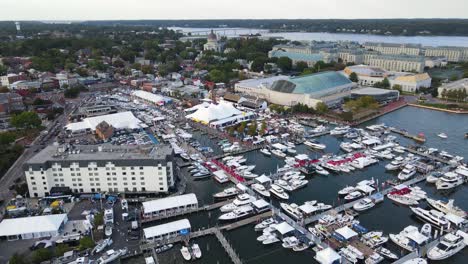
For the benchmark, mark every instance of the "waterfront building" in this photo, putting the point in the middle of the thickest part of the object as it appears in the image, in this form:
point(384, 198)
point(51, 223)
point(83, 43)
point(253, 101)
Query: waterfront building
point(213, 43)
point(169, 206)
point(453, 54)
point(351, 56)
point(33, 227)
point(367, 75)
point(309, 58)
point(400, 63)
point(394, 48)
point(412, 82)
point(95, 169)
point(380, 95)
point(254, 86)
point(456, 85)
point(167, 231)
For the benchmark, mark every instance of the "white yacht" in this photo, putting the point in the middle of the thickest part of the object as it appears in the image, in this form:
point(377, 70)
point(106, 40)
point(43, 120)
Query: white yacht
point(101, 245)
point(407, 172)
point(264, 224)
point(260, 189)
point(448, 181)
point(395, 164)
point(442, 135)
point(185, 253)
point(111, 255)
point(353, 196)
point(278, 192)
point(265, 152)
point(416, 261)
point(292, 210)
point(340, 130)
point(315, 145)
point(433, 217)
point(402, 240)
point(196, 251)
point(270, 240)
point(346, 190)
point(241, 199)
point(321, 170)
point(300, 247)
point(290, 242)
point(374, 258)
point(387, 253)
point(295, 184)
point(402, 199)
point(278, 153)
point(292, 151)
point(434, 177)
point(363, 205)
point(448, 207)
point(449, 245)
point(226, 193)
point(240, 212)
point(426, 230)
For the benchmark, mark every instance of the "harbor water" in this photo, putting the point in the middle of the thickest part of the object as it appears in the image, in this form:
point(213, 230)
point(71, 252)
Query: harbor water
point(387, 216)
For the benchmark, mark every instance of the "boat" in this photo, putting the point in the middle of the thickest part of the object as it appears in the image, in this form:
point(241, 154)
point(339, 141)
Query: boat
point(300, 247)
point(295, 184)
point(201, 174)
point(449, 245)
point(292, 151)
point(185, 253)
point(415, 261)
point(308, 169)
point(433, 217)
point(346, 190)
point(111, 255)
point(407, 172)
point(434, 177)
point(348, 255)
point(278, 153)
point(238, 213)
point(315, 145)
point(185, 156)
point(271, 238)
point(226, 193)
point(426, 230)
point(448, 181)
point(395, 164)
point(260, 189)
point(387, 253)
point(402, 240)
point(264, 224)
point(291, 210)
point(340, 130)
point(376, 240)
point(265, 151)
point(108, 231)
point(353, 196)
point(163, 248)
point(442, 135)
point(101, 245)
point(448, 207)
point(290, 242)
point(321, 170)
point(363, 205)
point(278, 192)
point(374, 258)
point(196, 251)
point(402, 199)
point(241, 199)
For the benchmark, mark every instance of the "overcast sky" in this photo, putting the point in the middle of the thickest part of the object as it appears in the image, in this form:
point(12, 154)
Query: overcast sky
point(223, 9)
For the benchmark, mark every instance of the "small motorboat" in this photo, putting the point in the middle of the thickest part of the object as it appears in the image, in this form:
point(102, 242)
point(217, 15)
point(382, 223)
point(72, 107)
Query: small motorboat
point(226, 193)
point(426, 229)
point(300, 247)
point(363, 205)
point(387, 253)
point(346, 190)
point(108, 231)
point(196, 251)
point(374, 258)
point(442, 135)
point(278, 192)
point(265, 152)
point(353, 196)
point(264, 224)
point(185, 253)
point(163, 248)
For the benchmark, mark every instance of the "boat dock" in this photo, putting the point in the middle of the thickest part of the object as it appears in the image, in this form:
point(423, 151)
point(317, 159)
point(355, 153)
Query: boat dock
point(227, 246)
point(416, 254)
point(426, 155)
point(407, 134)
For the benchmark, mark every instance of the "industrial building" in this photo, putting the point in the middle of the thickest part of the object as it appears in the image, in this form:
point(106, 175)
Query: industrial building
point(91, 169)
point(169, 206)
point(32, 227)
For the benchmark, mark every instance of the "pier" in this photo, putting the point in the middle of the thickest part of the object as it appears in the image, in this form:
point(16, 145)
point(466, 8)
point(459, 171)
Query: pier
point(407, 134)
point(229, 249)
point(416, 254)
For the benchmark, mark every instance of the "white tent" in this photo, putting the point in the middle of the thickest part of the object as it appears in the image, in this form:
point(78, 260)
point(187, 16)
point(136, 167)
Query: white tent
point(214, 112)
point(32, 227)
point(122, 120)
point(328, 256)
point(346, 232)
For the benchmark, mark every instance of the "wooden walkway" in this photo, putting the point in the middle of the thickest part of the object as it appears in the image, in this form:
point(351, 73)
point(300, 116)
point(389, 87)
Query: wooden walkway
point(227, 247)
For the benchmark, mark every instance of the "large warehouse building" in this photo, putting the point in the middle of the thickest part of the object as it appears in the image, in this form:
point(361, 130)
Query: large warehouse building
point(308, 89)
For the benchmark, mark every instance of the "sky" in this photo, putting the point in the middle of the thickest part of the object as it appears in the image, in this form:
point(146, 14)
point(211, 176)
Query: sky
point(229, 9)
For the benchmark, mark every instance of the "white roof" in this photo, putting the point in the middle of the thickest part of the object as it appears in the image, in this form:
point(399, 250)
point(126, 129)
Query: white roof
point(149, 96)
point(307, 208)
point(122, 120)
point(214, 112)
point(327, 256)
point(263, 179)
point(371, 141)
point(284, 228)
point(262, 82)
point(260, 203)
point(457, 220)
point(279, 146)
point(158, 230)
point(346, 232)
point(32, 224)
point(169, 202)
point(365, 188)
point(417, 237)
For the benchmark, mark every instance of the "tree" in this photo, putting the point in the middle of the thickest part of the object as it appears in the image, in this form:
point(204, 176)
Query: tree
point(252, 129)
point(284, 63)
point(72, 92)
point(258, 64)
point(435, 92)
point(26, 120)
point(60, 249)
point(321, 108)
point(41, 255)
point(147, 69)
point(444, 93)
point(397, 87)
point(118, 64)
point(216, 76)
point(385, 83)
point(353, 77)
point(241, 127)
point(17, 259)
point(86, 242)
point(301, 66)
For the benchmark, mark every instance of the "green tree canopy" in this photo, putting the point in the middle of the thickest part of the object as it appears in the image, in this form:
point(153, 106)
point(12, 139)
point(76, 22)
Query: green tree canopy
point(41, 255)
point(17, 259)
point(353, 77)
point(86, 242)
point(284, 63)
point(26, 120)
point(301, 66)
point(321, 108)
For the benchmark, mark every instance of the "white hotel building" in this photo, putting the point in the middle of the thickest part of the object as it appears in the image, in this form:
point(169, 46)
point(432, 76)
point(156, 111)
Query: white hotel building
point(92, 169)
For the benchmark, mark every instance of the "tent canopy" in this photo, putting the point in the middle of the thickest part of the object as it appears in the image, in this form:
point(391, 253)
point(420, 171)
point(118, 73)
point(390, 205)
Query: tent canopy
point(346, 232)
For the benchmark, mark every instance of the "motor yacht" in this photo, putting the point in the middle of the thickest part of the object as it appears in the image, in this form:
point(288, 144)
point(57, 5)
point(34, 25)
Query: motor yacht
point(278, 153)
point(290, 242)
point(395, 164)
point(448, 207)
point(226, 193)
point(346, 190)
point(442, 135)
point(319, 129)
point(348, 255)
point(201, 174)
point(278, 192)
point(448, 181)
point(264, 224)
point(185, 253)
point(270, 240)
point(415, 261)
point(402, 240)
point(185, 156)
point(260, 189)
point(407, 172)
point(238, 213)
point(353, 196)
point(265, 152)
point(399, 149)
point(241, 199)
point(374, 258)
point(292, 151)
point(402, 199)
point(387, 253)
point(434, 177)
point(363, 205)
point(433, 217)
point(196, 251)
point(300, 247)
point(426, 230)
point(111, 255)
point(340, 130)
point(315, 145)
point(376, 240)
point(449, 245)
point(101, 245)
point(295, 184)
point(321, 170)
point(292, 210)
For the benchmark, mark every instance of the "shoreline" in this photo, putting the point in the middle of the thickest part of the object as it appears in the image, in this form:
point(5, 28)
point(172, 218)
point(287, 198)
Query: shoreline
point(438, 109)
